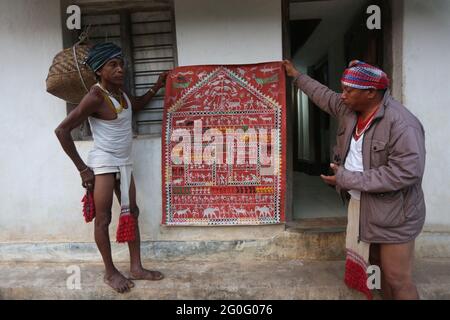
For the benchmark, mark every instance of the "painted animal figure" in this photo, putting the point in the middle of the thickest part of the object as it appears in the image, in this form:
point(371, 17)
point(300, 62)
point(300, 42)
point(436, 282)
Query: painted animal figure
point(177, 181)
point(263, 211)
point(234, 104)
point(182, 213)
point(267, 180)
point(210, 213)
point(239, 212)
point(182, 74)
point(269, 69)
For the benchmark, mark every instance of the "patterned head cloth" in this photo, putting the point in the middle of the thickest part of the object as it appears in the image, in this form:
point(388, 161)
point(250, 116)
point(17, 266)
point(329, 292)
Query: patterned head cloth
point(102, 53)
point(361, 75)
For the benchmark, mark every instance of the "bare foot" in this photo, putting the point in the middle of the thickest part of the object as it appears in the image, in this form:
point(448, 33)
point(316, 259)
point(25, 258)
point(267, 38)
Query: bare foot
point(118, 282)
point(144, 274)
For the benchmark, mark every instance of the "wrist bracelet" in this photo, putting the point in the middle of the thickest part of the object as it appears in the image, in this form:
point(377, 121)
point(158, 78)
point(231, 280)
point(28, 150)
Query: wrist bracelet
point(84, 170)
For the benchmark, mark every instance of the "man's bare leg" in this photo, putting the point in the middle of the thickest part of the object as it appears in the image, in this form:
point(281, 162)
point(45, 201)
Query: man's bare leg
point(103, 194)
point(386, 291)
point(397, 262)
point(136, 269)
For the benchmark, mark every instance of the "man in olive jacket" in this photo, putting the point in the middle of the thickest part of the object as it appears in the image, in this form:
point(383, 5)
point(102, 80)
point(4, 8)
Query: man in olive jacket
point(392, 206)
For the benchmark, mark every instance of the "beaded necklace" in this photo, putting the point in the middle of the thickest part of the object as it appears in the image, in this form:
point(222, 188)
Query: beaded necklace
point(119, 98)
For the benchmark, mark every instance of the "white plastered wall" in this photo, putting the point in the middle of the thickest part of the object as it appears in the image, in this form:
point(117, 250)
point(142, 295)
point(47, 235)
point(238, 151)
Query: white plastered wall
point(40, 191)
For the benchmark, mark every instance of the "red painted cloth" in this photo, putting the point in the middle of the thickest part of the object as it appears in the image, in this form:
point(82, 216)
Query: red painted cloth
point(211, 114)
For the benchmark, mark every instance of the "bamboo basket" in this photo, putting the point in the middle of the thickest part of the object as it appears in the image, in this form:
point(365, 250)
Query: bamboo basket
point(69, 78)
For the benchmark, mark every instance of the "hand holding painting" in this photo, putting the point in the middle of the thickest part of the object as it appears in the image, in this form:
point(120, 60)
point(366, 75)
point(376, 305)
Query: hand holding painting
point(291, 71)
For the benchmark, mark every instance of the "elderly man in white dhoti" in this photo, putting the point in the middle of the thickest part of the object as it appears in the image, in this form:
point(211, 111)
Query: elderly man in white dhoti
point(109, 165)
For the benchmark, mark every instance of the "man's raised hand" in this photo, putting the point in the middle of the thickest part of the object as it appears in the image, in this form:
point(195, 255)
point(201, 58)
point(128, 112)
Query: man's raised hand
point(291, 71)
point(162, 79)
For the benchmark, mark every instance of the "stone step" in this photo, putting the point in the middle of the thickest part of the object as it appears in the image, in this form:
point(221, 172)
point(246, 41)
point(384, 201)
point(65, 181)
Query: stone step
point(231, 279)
point(306, 241)
point(294, 243)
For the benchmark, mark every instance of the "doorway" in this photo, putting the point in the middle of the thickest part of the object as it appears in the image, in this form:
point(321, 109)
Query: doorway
point(323, 36)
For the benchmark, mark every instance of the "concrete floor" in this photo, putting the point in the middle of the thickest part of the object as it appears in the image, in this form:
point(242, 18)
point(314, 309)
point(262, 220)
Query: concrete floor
point(251, 279)
point(314, 199)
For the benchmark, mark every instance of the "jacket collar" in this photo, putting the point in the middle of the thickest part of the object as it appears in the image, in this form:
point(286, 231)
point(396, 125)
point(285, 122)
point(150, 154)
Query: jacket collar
point(384, 102)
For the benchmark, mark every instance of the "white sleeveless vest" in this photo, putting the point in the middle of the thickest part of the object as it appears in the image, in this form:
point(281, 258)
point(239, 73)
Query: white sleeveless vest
point(113, 139)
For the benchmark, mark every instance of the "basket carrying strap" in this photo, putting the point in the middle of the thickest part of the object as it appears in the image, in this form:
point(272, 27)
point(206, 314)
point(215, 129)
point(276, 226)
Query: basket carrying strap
point(78, 67)
point(84, 35)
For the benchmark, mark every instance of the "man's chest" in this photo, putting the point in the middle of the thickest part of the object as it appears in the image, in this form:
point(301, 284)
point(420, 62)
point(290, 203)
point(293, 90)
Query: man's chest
point(108, 111)
point(373, 146)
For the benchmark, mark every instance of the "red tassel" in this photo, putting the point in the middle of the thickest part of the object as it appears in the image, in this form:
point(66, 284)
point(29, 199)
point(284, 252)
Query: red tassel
point(88, 206)
point(126, 230)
